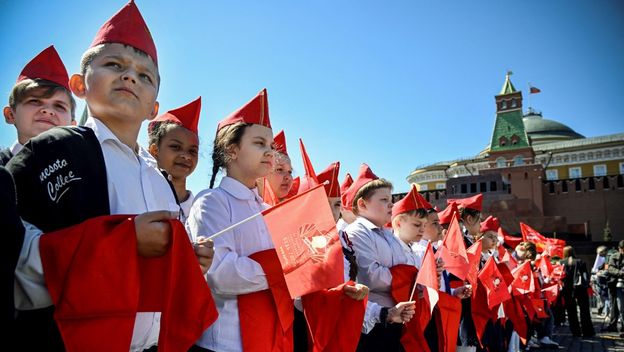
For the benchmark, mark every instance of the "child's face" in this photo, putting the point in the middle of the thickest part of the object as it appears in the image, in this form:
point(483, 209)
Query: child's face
point(378, 208)
point(35, 115)
point(410, 228)
point(252, 158)
point(280, 178)
point(335, 204)
point(120, 85)
point(177, 152)
point(472, 224)
point(489, 241)
point(432, 228)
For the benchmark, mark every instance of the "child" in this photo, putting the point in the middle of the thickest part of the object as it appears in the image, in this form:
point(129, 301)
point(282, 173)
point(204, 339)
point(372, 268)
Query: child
point(39, 100)
point(68, 175)
point(238, 276)
point(377, 250)
point(280, 178)
point(174, 143)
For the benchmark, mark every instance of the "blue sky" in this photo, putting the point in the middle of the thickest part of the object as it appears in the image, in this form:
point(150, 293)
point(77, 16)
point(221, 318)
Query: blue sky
point(395, 84)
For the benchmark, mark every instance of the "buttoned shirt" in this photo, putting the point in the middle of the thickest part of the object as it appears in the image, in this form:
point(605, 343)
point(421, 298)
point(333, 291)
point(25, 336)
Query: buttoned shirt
point(232, 272)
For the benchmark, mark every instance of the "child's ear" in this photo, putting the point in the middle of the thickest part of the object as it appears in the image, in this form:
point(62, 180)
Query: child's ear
point(361, 203)
point(8, 115)
point(155, 110)
point(153, 149)
point(77, 85)
point(232, 151)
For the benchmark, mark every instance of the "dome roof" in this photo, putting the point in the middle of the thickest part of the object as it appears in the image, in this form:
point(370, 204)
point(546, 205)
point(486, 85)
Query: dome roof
point(541, 130)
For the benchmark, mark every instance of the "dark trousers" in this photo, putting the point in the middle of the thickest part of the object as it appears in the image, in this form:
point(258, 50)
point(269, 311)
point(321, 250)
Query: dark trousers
point(614, 315)
point(579, 298)
point(383, 337)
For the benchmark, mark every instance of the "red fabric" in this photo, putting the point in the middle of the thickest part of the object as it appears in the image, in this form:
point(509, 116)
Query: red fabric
point(268, 195)
point(294, 189)
point(448, 318)
point(474, 202)
point(334, 319)
point(534, 90)
point(255, 111)
point(266, 317)
point(506, 273)
point(523, 282)
point(427, 276)
point(538, 304)
point(348, 181)
point(365, 176)
point(490, 224)
point(545, 266)
point(551, 292)
point(98, 283)
point(412, 201)
point(447, 214)
point(513, 311)
point(307, 242)
point(511, 241)
point(279, 141)
point(481, 313)
point(46, 65)
point(309, 179)
point(403, 281)
point(527, 305)
point(127, 27)
point(187, 116)
point(558, 272)
point(494, 284)
point(453, 251)
point(531, 235)
point(330, 175)
point(474, 258)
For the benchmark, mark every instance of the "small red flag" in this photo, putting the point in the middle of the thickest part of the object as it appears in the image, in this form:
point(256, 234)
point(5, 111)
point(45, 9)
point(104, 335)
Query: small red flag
point(545, 266)
point(474, 258)
point(534, 90)
point(309, 180)
point(453, 251)
point(551, 292)
point(523, 279)
point(268, 195)
point(529, 234)
point(428, 277)
point(306, 242)
point(511, 241)
point(494, 283)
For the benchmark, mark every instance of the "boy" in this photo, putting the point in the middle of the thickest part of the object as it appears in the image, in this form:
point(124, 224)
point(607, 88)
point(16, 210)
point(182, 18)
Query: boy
point(39, 100)
point(97, 170)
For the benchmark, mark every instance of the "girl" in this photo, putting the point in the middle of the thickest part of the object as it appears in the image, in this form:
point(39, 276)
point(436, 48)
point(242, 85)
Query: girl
point(174, 143)
point(280, 178)
point(239, 275)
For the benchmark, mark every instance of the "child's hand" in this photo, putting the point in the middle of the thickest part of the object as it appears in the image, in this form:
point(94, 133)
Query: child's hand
point(439, 267)
point(153, 232)
point(463, 291)
point(357, 292)
point(402, 312)
point(204, 251)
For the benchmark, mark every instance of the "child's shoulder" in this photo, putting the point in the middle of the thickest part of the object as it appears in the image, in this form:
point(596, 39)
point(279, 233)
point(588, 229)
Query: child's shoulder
point(62, 134)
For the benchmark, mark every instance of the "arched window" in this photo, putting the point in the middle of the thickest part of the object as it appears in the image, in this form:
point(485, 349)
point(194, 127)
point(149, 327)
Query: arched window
point(502, 141)
point(518, 160)
point(501, 162)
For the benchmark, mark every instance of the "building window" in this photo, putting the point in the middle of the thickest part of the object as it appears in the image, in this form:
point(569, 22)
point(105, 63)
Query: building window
point(564, 186)
point(513, 103)
point(483, 187)
point(492, 186)
point(552, 175)
point(515, 139)
point(605, 182)
point(518, 160)
point(551, 187)
point(577, 184)
point(473, 188)
point(440, 185)
point(592, 184)
point(582, 157)
point(464, 188)
point(502, 162)
point(423, 188)
point(504, 104)
point(616, 153)
point(427, 196)
point(620, 181)
point(607, 154)
point(573, 158)
point(502, 141)
point(575, 172)
point(600, 170)
point(590, 156)
point(621, 168)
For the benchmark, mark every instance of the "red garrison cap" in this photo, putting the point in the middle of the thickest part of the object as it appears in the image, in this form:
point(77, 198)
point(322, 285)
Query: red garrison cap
point(348, 181)
point(255, 111)
point(446, 215)
point(332, 188)
point(412, 201)
point(280, 142)
point(187, 116)
point(474, 202)
point(490, 224)
point(46, 65)
point(365, 176)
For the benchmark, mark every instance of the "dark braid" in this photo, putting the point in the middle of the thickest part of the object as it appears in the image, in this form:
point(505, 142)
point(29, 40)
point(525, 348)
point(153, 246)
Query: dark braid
point(227, 136)
point(353, 267)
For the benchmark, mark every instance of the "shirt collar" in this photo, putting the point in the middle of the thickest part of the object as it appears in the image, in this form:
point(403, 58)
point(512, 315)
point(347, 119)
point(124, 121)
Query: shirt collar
point(367, 223)
point(239, 190)
point(16, 147)
point(404, 245)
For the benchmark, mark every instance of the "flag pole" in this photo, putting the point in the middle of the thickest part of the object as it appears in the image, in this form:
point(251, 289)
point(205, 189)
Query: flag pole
point(233, 226)
point(411, 297)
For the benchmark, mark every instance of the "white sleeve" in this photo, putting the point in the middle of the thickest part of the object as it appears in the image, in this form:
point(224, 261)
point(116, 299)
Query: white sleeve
point(30, 290)
point(371, 316)
point(229, 273)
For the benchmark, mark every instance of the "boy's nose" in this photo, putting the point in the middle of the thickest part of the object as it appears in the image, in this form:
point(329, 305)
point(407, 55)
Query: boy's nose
point(129, 77)
point(47, 111)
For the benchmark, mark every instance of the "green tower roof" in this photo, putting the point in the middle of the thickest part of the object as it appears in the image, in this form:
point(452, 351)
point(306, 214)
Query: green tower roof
point(509, 132)
point(508, 87)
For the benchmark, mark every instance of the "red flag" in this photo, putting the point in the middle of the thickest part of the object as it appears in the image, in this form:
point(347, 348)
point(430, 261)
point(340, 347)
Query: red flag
point(268, 195)
point(538, 304)
point(294, 189)
point(511, 241)
point(523, 279)
point(453, 251)
point(558, 272)
point(309, 179)
point(551, 292)
point(403, 281)
point(513, 311)
point(531, 235)
point(494, 284)
point(306, 242)
point(447, 321)
point(474, 259)
point(534, 90)
point(545, 266)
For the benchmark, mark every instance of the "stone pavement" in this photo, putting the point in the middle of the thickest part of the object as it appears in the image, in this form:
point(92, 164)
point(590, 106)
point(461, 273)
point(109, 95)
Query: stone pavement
point(611, 342)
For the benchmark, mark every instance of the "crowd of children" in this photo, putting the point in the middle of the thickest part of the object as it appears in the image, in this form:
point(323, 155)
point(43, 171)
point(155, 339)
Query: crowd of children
point(71, 194)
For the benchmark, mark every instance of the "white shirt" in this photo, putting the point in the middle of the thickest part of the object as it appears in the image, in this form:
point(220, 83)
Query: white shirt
point(185, 207)
point(376, 251)
point(232, 272)
point(135, 185)
point(16, 147)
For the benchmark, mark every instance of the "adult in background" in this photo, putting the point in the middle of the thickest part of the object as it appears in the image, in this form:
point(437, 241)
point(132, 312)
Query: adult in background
point(575, 294)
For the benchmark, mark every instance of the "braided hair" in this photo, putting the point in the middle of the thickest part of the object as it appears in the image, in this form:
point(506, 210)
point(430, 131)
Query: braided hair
point(226, 137)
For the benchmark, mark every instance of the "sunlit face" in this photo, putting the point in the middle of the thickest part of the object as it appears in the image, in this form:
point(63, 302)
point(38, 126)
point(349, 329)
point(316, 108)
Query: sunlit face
point(35, 114)
point(473, 224)
point(378, 208)
point(120, 85)
point(432, 228)
point(489, 241)
point(178, 152)
point(410, 228)
point(280, 178)
point(252, 158)
point(335, 205)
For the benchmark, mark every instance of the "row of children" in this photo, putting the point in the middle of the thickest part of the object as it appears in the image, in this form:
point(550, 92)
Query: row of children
point(66, 177)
